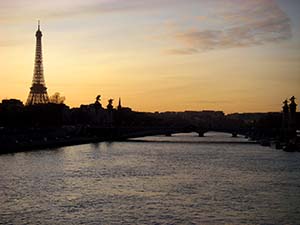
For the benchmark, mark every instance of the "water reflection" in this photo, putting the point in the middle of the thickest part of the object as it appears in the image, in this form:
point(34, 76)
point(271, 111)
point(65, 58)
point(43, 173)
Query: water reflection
point(148, 183)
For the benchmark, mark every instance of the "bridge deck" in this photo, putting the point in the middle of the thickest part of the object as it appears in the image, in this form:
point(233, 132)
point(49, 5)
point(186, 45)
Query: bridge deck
point(192, 142)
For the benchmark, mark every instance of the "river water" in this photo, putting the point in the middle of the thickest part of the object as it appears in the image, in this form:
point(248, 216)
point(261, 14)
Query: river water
point(152, 183)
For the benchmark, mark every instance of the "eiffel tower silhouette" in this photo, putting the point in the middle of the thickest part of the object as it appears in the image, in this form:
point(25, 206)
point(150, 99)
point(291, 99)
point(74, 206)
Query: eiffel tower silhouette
point(38, 91)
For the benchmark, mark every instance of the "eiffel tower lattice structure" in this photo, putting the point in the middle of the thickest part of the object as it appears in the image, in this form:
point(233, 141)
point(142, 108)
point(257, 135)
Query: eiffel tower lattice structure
point(38, 91)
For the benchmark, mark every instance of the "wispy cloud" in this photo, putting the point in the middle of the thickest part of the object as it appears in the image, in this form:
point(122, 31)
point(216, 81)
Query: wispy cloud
point(245, 23)
point(181, 51)
point(66, 8)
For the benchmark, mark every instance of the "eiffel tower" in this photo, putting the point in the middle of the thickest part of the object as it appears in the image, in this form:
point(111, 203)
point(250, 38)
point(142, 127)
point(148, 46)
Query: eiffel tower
point(38, 91)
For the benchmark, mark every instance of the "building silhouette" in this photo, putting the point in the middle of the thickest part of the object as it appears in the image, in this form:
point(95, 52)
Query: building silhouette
point(38, 91)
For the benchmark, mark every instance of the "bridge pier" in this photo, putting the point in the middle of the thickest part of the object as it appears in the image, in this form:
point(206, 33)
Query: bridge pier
point(200, 134)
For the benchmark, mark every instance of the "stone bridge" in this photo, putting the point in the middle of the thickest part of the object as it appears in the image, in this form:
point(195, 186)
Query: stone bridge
point(135, 132)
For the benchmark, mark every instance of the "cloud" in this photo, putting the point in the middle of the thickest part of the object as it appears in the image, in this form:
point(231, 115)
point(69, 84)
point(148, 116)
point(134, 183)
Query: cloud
point(220, 24)
point(251, 23)
point(183, 51)
point(66, 8)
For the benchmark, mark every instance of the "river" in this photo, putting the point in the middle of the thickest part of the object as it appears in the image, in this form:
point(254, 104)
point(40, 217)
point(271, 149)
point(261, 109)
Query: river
point(193, 182)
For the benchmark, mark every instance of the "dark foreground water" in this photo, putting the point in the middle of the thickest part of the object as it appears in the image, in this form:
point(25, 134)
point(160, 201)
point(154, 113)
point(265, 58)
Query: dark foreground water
point(151, 183)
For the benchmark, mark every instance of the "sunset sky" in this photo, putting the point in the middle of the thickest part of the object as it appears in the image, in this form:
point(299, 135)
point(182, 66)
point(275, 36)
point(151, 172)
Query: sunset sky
point(158, 55)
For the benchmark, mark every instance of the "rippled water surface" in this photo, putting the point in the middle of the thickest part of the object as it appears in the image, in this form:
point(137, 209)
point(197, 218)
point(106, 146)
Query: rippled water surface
point(151, 183)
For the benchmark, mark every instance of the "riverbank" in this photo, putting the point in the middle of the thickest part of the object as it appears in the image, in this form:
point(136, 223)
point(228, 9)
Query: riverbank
point(31, 139)
point(43, 145)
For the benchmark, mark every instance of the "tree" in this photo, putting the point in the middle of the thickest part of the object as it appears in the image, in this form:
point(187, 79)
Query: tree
point(57, 99)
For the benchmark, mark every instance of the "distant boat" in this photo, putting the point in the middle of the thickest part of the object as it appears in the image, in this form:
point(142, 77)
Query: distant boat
point(265, 142)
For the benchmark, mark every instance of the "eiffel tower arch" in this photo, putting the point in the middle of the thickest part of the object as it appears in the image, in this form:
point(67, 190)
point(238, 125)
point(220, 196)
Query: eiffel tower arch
point(38, 91)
